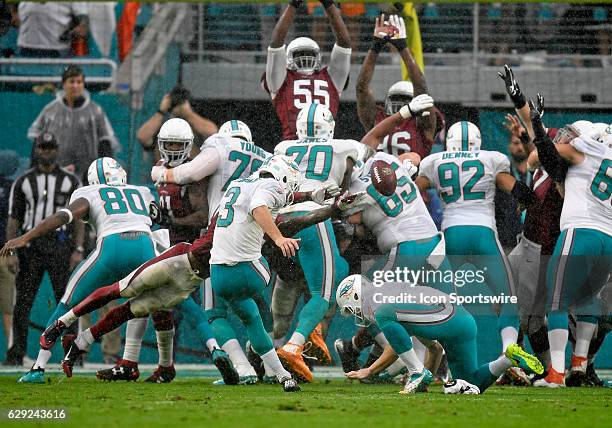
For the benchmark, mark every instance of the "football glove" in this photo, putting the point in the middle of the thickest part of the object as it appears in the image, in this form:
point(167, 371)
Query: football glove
point(535, 114)
point(158, 174)
point(159, 216)
point(323, 193)
point(512, 88)
point(350, 203)
point(418, 106)
point(399, 38)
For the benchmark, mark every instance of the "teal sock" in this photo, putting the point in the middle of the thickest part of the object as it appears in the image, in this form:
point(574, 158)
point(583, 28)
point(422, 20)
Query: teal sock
point(194, 315)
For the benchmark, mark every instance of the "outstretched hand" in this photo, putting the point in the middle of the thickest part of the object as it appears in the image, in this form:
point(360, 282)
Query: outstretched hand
point(512, 87)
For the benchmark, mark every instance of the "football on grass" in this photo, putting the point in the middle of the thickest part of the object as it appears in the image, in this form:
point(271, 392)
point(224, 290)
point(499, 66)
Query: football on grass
point(384, 179)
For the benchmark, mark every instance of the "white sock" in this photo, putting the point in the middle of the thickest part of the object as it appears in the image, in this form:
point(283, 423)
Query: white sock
point(68, 318)
point(297, 338)
point(211, 345)
point(509, 336)
point(271, 359)
point(84, 339)
point(239, 359)
point(381, 340)
point(164, 346)
point(412, 362)
point(584, 334)
point(557, 339)
point(419, 348)
point(268, 369)
point(499, 366)
point(134, 332)
point(42, 360)
point(395, 368)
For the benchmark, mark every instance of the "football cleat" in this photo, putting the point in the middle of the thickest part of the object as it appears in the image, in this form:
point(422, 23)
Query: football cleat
point(223, 363)
point(318, 349)
point(123, 370)
point(348, 355)
point(459, 386)
point(579, 364)
point(591, 377)
point(71, 353)
point(33, 376)
point(269, 380)
point(514, 376)
point(576, 378)
point(162, 375)
point(290, 384)
point(418, 382)
point(51, 334)
point(553, 379)
point(242, 380)
point(523, 359)
point(255, 360)
point(291, 357)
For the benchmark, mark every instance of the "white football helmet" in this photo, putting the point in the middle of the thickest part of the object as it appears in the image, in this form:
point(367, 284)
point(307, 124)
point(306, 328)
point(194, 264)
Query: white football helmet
point(236, 129)
point(349, 297)
point(398, 95)
point(574, 130)
point(106, 171)
point(303, 55)
point(173, 131)
point(315, 121)
point(604, 131)
point(285, 170)
point(463, 136)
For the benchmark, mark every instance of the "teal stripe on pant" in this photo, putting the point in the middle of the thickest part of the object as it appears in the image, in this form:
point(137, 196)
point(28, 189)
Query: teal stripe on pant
point(239, 285)
point(457, 335)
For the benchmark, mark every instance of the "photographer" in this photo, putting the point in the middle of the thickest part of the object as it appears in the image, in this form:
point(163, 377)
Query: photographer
point(175, 104)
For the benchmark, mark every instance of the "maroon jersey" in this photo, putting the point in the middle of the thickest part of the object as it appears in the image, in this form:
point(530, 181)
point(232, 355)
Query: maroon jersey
point(175, 200)
point(404, 138)
point(299, 90)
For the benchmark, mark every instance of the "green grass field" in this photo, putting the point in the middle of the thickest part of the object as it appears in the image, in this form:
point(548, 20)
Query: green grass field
point(191, 402)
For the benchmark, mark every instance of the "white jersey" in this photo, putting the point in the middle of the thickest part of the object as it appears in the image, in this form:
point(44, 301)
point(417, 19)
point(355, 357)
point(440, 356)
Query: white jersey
point(321, 161)
point(466, 182)
point(116, 209)
point(238, 159)
point(588, 188)
point(238, 237)
point(400, 217)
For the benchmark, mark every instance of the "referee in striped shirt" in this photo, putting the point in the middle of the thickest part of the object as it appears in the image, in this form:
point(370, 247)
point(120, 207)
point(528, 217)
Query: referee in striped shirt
point(35, 195)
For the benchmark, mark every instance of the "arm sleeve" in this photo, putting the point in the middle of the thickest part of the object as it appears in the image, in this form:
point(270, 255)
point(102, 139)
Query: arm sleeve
point(339, 66)
point(550, 159)
point(270, 194)
point(203, 165)
point(276, 69)
point(17, 203)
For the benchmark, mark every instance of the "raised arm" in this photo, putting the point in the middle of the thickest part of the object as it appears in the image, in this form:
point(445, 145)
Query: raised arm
point(366, 103)
point(151, 127)
point(341, 33)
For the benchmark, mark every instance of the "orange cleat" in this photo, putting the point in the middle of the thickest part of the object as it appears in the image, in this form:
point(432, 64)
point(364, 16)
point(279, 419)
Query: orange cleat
point(579, 363)
point(291, 357)
point(318, 348)
point(554, 379)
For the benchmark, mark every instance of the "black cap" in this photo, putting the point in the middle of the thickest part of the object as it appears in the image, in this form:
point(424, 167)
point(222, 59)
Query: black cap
point(46, 140)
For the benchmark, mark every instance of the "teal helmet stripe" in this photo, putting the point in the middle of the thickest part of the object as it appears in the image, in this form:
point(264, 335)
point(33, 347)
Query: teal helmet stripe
point(100, 168)
point(464, 136)
point(310, 120)
point(234, 124)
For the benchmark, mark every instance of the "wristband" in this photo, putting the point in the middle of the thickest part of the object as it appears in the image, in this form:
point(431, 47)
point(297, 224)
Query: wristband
point(68, 213)
point(378, 44)
point(405, 112)
point(399, 44)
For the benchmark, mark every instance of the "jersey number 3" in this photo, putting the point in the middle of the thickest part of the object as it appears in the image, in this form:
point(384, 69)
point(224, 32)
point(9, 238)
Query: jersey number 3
point(310, 91)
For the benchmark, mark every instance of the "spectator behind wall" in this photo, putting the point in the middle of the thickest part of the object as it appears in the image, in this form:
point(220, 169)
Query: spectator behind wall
point(48, 29)
point(80, 125)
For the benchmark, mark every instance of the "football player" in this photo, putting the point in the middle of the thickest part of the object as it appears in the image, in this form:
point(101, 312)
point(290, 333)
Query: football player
point(119, 213)
point(581, 261)
point(414, 135)
point(183, 211)
point(326, 162)
point(432, 316)
point(295, 76)
point(466, 178)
